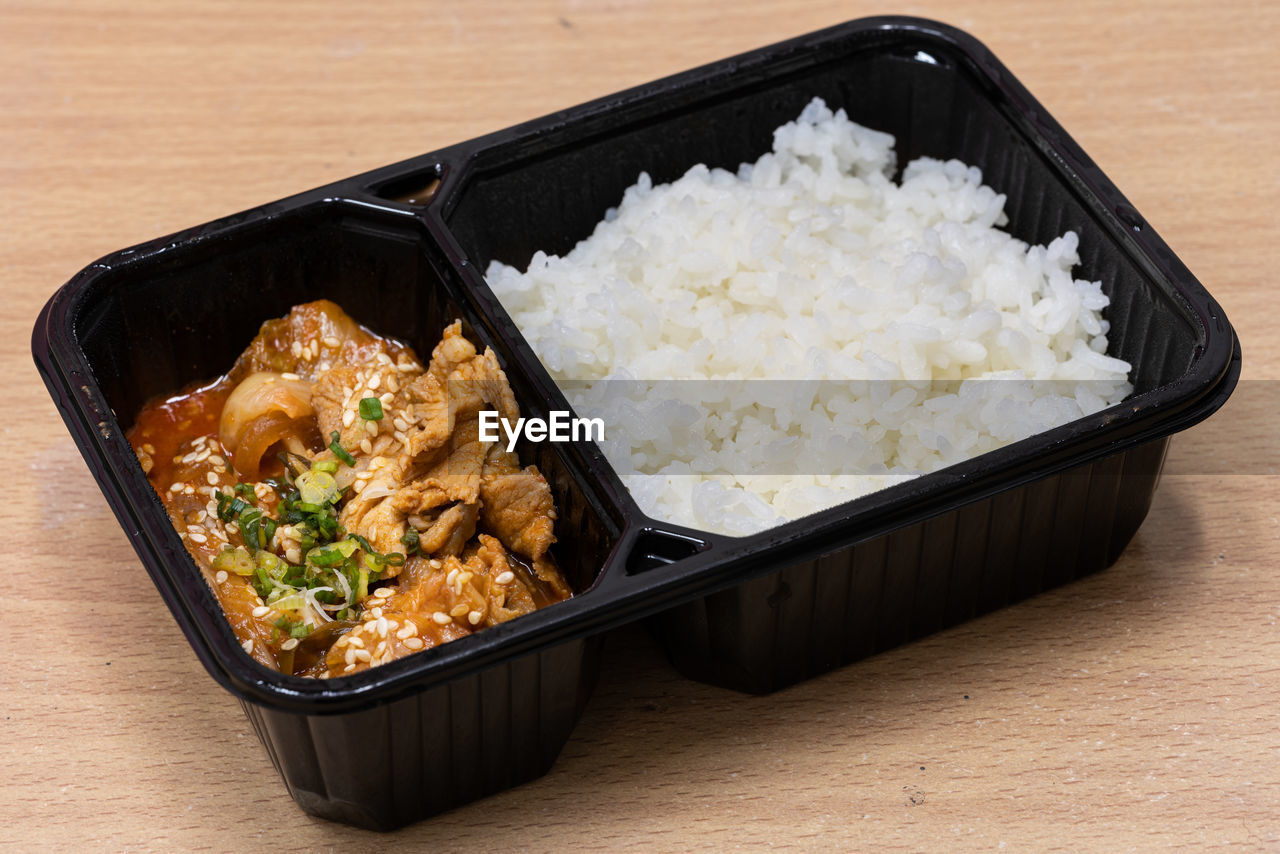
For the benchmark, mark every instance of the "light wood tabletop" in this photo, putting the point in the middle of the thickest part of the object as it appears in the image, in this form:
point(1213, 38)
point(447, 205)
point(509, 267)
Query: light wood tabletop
point(1135, 709)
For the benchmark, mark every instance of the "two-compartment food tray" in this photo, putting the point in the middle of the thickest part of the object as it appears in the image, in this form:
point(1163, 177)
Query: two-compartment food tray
point(753, 613)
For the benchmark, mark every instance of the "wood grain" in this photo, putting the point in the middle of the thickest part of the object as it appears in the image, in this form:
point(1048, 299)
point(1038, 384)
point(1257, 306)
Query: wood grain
point(1133, 710)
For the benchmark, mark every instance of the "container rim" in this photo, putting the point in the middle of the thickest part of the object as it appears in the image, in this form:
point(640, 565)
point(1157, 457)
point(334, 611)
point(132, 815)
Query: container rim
point(617, 596)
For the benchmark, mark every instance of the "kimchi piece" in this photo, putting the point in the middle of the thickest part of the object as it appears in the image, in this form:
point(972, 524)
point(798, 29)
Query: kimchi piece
point(336, 494)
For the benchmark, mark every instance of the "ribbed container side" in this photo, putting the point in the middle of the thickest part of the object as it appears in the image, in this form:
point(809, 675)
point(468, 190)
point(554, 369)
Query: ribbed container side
point(400, 762)
point(811, 617)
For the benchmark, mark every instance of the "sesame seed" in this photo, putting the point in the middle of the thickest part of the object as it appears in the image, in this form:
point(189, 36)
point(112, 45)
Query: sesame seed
point(359, 486)
point(189, 458)
point(203, 455)
point(289, 376)
point(195, 529)
point(350, 657)
point(375, 381)
point(434, 564)
point(371, 427)
point(217, 460)
point(260, 611)
point(349, 667)
point(356, 641)
point(401, 438)
point(442, 618)
point(386, 397)
point(348, 415)
point(383, 358)
point(248, 646)
point(363, 655)
point(295, 349)
point(474, 617)
point(293, 555)
point(382, 627)
point(289, 644)
point(199, 538)
point(376, 612)
point(148, 447)
point(176, 486)
point(189, 490)
point(221, 576)
point(331, 341)
point(233, 527)
point(413, 643)
point(383, 592)
point(380, 649)
point(392, 383)
point(366, 446)
point(212, 477)
point(465, 576)
point(505, 577)
point(400, 424)
point(211, 508)
point(202, 515)
point(449, 579)
point(458, 610)
point(406, 632)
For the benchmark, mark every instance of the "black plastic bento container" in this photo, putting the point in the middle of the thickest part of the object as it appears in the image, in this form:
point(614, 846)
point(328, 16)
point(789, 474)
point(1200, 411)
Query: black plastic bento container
point(437, 729)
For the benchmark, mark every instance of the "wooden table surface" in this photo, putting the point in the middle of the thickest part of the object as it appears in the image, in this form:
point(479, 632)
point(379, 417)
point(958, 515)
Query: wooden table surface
point(1137, 709)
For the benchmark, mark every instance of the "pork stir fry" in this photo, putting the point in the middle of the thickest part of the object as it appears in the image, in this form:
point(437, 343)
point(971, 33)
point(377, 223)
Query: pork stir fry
point(338, 498)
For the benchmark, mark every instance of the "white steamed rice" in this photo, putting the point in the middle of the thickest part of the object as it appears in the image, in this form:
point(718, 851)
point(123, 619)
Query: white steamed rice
point(811, 264)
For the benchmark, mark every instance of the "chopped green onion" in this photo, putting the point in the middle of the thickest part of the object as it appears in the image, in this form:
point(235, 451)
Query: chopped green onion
point(318, 488)
point(300, 631)
point(371, 409)
point(235, 560)
point(229, 507)
point(292, 601)
point(411, 541)
point(326, 466)
point(339, 451)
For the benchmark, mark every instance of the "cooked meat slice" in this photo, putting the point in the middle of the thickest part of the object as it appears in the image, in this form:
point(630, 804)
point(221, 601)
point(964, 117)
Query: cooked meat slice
point(339, 391)
point(432, 412)
point(397, 491)
point(309, 340)
point(457, 384)
point(379, 640)
point(519, 510)
point(453, 350)
point(500, 461)
point(238, 600)
point(449, 531)
point(549, 574)
point(379, 509)
point(506, 596)
point(482, 382)
point(331, 398)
